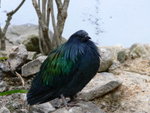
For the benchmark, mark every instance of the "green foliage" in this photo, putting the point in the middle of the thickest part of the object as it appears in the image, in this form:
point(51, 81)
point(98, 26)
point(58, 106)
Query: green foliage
point(3, 58)
point(32, 43)
point(13, 92)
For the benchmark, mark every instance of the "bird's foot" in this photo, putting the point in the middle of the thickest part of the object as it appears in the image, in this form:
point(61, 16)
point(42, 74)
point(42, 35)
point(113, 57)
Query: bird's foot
point(68, 104)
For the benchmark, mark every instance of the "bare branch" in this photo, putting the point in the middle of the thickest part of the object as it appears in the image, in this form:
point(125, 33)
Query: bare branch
point(61, 17)
point(44, 10)
point(66, 4)
point(43, 25)
point(9, 16)
point(55, 35)
point(59, 4)
point(39, 4)
point(20, 77)
point(48, 11)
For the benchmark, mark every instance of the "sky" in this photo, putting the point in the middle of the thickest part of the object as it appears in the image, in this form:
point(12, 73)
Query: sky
point(108, 22)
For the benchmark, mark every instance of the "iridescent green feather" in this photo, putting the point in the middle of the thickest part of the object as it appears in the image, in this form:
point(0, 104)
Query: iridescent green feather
point(56, 65)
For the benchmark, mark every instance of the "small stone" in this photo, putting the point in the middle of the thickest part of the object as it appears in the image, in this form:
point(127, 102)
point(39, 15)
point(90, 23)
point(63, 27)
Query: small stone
point(32, 67)
point(23, 97)
point(106, 59)
point(31, 55)
point(23, 111)
point(17, 57)
point(3, 53)
point(3, 86)
point(4, 67)
point(42, 108)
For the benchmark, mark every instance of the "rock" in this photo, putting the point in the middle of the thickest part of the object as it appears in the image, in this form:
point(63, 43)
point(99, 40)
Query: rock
point(25, 34)
point(42, 108)
point(22, 111)
point(3, 86)
point(18, 33)
point(31, 55)
point(32, 43)
point(23, 97)
point(106, 59)
point(4, 110)
point(4, 67)
point(114, 50)
point(3, 53)
point(1, 74)
point(17, 57)
point(101, 84)
point(115, 68)
point(32, 67)
point(139, 50)
point(123, 55)
point(135, 51)
point(133, 96)
point(83, 107)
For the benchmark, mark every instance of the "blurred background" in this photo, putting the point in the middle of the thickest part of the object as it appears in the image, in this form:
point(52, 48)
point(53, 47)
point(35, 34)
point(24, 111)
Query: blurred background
point(108, 22)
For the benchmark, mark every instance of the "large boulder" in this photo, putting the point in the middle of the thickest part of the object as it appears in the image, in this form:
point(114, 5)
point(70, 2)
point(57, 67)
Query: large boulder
point(100, 85)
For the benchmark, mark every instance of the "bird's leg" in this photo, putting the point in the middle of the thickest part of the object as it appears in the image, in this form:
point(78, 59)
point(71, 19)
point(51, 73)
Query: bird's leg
point(64, 100)
point(70, 104)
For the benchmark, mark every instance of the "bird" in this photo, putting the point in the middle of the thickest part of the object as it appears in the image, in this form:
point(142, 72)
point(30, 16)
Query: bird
point(66, 70)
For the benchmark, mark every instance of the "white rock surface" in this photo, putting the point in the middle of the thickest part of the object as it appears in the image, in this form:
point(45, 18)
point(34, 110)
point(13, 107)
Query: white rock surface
point(4, 110)
point(101, 84)
point(106, 59)
point(32, 67)
point(17, 57)
point(83, 107)
point(42, 108)
point(133, 96)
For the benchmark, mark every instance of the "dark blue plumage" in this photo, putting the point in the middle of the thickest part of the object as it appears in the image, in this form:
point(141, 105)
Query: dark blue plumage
point(66, 70)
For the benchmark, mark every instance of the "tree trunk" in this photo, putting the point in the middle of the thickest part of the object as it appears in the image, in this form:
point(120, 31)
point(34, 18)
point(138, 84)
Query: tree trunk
point(2, 40)
point(45, 12)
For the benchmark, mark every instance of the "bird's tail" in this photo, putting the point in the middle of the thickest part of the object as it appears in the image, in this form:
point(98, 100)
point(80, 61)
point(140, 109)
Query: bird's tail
point(39, 98)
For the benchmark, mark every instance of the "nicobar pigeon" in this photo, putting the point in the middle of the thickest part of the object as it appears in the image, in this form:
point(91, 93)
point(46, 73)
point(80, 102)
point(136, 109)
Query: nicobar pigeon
point(66, 70)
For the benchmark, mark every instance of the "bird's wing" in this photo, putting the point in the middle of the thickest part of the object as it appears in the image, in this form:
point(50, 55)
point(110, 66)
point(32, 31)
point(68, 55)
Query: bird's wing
point(57, 69)
point(55, 72)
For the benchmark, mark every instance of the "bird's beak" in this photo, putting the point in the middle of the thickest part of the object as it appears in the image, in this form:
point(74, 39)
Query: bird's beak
point(88, 37)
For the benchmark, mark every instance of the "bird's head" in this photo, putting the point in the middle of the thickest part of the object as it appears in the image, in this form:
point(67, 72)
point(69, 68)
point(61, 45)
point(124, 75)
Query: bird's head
point(80, 35)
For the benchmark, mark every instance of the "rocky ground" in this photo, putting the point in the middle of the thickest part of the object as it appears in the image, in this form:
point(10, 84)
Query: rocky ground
point(121, 85)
